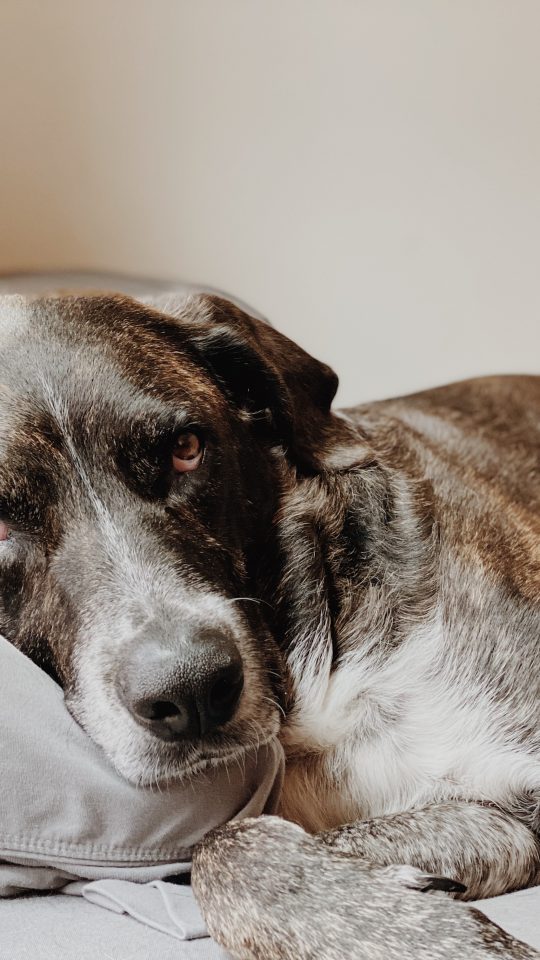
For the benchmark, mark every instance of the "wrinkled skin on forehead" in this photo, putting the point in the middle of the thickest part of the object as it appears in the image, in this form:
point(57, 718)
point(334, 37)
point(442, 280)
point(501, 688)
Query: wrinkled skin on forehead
point(107, 542)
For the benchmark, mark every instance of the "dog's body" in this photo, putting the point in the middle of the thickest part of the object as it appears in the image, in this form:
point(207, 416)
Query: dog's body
point(440, 701)
point(393, 554)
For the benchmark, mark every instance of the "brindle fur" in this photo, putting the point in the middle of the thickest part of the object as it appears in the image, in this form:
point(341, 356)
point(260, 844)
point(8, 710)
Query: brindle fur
point(393, 554)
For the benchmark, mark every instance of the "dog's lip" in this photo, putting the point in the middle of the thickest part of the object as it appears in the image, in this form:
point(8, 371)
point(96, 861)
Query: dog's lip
point(211, 760)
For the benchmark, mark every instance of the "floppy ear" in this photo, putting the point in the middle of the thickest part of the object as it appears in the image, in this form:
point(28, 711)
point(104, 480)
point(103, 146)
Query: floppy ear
point(287, 393)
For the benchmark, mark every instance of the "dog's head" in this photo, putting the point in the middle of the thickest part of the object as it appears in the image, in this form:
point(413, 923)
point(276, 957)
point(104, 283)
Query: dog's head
point(138, 453)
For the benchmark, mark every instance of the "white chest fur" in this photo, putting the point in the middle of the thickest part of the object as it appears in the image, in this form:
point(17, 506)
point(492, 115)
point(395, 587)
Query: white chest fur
point(375, 738)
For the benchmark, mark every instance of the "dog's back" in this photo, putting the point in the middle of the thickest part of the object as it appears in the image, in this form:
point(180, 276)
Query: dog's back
point(485, 429)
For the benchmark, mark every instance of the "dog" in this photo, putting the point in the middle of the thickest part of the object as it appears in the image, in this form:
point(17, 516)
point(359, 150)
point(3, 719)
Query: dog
point(206, 557)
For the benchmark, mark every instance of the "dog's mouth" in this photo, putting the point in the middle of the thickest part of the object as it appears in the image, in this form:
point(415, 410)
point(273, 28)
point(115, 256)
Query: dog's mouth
point(228, 757)
point(144, 758)
point(171, 762)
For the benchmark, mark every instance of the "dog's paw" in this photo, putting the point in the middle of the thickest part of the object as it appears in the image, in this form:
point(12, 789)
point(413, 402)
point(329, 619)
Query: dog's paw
point(415, 879)
point(255, 833)
point(269, 889)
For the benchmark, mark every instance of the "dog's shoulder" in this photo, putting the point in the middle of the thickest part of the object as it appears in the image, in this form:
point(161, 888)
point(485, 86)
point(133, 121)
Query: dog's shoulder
point(478, 444)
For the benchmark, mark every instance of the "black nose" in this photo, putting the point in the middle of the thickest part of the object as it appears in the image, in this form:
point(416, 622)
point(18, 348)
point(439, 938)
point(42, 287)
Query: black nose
point(183, 696)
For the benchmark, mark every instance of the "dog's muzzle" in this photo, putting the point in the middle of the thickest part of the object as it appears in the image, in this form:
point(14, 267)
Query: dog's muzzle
point(187, 692)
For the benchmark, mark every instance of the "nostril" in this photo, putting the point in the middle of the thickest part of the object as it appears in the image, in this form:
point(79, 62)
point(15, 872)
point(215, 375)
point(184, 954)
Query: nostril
point(162, 709)
point(224, 694)
point(167, 718)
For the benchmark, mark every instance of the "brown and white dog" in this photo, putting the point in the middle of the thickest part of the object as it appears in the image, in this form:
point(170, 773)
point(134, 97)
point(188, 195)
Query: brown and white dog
point(206, 558)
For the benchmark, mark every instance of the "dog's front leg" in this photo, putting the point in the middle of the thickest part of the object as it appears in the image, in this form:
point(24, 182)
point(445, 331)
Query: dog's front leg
point(270, 891)
point(487, 850)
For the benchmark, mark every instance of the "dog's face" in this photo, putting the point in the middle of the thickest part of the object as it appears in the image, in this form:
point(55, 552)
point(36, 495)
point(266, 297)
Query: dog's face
point(137, 489)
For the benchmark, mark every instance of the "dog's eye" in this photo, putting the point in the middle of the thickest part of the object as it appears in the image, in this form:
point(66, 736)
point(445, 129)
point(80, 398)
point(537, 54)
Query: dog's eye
point(188, 452)
point(5, 532)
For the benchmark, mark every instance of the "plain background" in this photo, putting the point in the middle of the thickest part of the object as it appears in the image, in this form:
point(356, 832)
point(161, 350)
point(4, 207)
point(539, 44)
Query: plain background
point(365, 172)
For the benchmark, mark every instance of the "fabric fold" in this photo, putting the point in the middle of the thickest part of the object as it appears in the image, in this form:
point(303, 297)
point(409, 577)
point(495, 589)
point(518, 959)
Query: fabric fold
point(164, 906)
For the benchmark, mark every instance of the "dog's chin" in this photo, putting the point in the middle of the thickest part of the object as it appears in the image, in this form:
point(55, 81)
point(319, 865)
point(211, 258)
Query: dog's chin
point(166, 767)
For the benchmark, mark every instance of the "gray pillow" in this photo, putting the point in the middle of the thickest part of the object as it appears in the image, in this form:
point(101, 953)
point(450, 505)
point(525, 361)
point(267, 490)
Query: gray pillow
point(67, 815)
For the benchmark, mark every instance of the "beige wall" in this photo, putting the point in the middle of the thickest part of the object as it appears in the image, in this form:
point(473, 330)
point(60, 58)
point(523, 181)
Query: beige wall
point(366, 172)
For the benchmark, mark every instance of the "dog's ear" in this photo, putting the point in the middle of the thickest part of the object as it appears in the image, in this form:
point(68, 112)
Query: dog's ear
point(285, 391)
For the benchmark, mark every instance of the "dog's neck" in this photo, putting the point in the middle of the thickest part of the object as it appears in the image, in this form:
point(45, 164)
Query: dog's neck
point(356, 571)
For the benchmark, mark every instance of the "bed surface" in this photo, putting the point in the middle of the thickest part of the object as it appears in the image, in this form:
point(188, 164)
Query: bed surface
point(58, 927)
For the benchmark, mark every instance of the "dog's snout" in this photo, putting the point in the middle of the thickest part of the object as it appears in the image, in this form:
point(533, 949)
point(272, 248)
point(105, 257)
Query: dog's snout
point(187, 693)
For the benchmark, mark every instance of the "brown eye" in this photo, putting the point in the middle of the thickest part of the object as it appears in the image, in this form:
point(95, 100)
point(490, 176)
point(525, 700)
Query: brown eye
point(4, 532)
point(188, 452)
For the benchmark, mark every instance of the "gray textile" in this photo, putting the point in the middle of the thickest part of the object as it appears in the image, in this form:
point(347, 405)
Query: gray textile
point(70, 928)
point(164, 906)
point(518, 913)
point(67, 815)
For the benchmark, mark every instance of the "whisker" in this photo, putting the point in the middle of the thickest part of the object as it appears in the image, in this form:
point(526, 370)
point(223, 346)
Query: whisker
point(276, 705)
point(250, 600)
